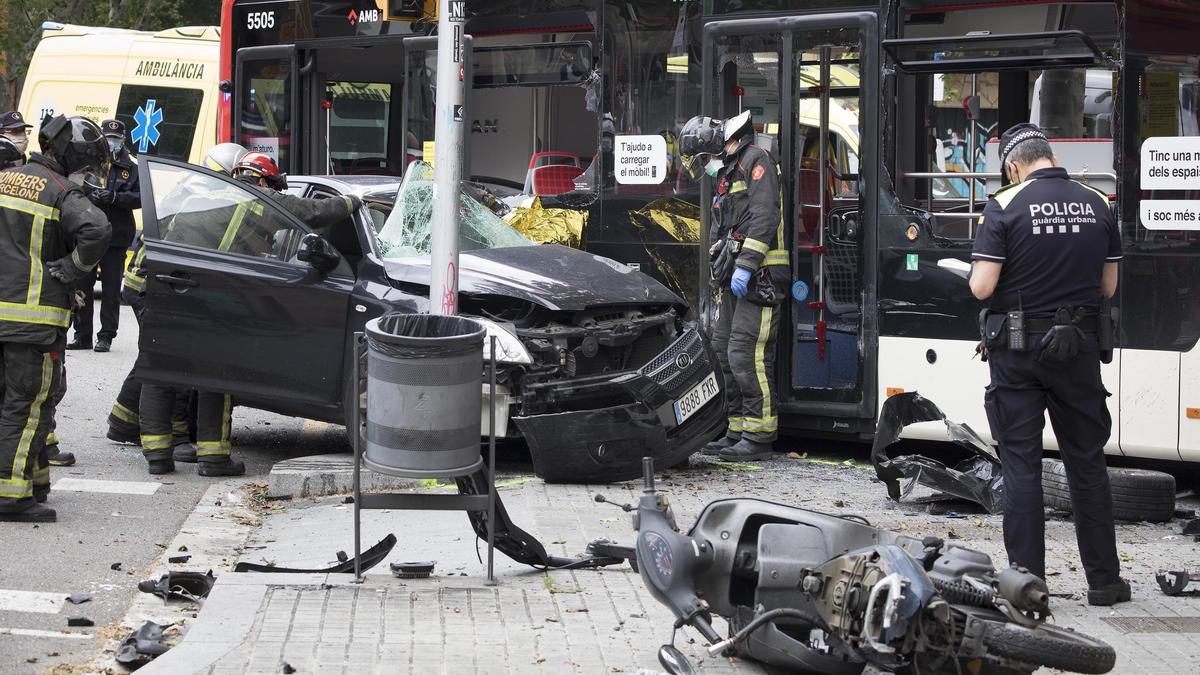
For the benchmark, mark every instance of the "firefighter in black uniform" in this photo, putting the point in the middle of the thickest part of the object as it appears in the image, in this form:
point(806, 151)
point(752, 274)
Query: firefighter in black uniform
point(750, 270)
point(117, 199)
point(50, 236)
point(1045, 257)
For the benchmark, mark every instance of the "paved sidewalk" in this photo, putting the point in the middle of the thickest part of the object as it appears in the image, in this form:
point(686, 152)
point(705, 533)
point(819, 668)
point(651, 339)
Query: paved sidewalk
point(593, 621)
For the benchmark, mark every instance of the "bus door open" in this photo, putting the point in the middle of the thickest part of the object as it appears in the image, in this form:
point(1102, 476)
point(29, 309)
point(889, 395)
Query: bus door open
point(267, 98)
point(811, 83)
point(418, 107)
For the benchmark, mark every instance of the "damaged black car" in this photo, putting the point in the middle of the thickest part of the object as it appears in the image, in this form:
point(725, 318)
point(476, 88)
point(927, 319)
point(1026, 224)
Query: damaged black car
point(598, 364)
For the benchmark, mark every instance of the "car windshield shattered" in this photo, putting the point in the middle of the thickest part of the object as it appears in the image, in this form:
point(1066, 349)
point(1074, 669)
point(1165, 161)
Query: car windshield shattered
point(407, 232)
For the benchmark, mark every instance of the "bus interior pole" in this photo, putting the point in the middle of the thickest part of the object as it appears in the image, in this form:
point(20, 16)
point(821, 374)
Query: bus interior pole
point(448, 157)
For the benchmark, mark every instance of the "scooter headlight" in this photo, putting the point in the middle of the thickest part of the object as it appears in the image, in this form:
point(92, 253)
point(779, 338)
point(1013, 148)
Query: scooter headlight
point(659, 559)
point(508, 346)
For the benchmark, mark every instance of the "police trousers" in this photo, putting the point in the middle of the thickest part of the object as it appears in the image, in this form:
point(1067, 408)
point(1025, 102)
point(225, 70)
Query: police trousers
point(744, 338)
point(110, 271)
point(124, 420)
point(213, 418)
point(1021, 392)
point(29, 374)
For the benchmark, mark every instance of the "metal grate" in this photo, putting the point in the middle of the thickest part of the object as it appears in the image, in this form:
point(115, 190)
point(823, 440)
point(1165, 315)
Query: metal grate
point(1154, 624)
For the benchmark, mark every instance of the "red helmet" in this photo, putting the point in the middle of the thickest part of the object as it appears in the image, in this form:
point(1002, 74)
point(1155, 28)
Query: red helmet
point(260, 165)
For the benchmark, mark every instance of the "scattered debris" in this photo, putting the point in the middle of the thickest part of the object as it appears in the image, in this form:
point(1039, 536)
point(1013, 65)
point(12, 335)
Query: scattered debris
point(116, 567)
point(178, 559)
point(184, 585)
point(413, 570)
point(370, 558)
point(78, 598)
point(183, 548)
point(80, 621)
point(287, 668)
point(1174, 583)
point(142, 646)
point(1192, 527)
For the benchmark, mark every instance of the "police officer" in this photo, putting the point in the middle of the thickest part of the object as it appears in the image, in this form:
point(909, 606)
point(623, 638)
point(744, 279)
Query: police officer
point(51, 235)
point(750, 267)
point(1045, 257)
point(117, 199)
point(124, 422)
point(14, 128)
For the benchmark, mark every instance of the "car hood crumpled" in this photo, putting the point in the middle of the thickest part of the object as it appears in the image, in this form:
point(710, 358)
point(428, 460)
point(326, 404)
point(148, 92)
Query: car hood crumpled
point(556, 277)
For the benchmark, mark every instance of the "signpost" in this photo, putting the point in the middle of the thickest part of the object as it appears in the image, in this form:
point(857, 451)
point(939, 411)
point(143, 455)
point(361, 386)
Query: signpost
point(447, 171)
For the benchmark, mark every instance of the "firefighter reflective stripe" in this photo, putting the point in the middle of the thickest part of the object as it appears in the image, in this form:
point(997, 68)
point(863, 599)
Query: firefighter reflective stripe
point(736, 424)
point(32, 208)
point(135, 282)
point(124, 414)
point(235, 223)
point(39, 314)
point(133, 273)
point(34, 295)
point(777, 257)
point(78, 262)
point(212, 448)
point(51, 439)
point(222, 445)
point(756, 246)
point(738, 186)
point(16, 487)
point(156, 442)
point(761, 424)
point(760, 368)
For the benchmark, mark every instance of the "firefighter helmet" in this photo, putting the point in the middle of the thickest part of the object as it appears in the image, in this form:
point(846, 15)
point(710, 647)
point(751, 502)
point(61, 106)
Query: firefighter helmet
point(700, 140)
point(76, 143)
point(260, 165)
point(224, 157)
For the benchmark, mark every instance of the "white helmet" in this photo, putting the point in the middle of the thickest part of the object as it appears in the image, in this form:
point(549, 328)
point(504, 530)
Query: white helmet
point(224, 157)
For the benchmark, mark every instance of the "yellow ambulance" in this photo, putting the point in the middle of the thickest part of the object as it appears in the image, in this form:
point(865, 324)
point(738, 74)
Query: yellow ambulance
point(163, 86)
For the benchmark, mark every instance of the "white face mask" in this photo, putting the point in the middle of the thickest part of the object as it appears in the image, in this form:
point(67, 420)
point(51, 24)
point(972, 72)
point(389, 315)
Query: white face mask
point(714, 167)
point(22, 142)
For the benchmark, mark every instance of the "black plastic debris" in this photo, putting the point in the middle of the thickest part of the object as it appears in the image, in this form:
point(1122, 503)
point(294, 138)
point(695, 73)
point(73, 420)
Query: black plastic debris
point(80, 621)
point(370, 558)
point(1192, 527)
point(287, 668)
point(412, 570)
point(116, 567)
point(181, 585)
point(78, 598)
point(142, 646)
point(977, 478)
point(1174, 583)
point(179, 558)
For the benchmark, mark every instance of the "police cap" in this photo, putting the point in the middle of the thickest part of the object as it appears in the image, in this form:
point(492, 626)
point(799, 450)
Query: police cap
point(1017, 134)
point(114, 128)
point(13, 120)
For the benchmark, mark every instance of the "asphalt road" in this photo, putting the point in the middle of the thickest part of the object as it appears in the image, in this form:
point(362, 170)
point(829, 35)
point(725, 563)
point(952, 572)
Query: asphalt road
point(108, 533)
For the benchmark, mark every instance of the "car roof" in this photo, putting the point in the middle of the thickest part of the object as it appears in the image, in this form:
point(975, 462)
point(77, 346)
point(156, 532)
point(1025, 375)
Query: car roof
point(353, 185)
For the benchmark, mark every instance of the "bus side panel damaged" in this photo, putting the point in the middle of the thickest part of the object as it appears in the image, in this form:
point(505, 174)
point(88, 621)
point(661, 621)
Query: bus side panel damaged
point(977, 478)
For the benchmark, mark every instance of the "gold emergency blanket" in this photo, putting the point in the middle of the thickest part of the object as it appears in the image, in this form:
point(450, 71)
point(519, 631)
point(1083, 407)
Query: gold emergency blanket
point(549, 225)
point(670, 229)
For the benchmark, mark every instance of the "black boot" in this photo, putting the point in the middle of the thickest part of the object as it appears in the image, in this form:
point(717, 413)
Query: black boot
point(79, 343)
point(41, 494)
point(122, 434)
point(746, 450)
point(1111, 594)
point(185, 452)
point(160, 466)
point(221, 466)
point(714, 448)
point(28, 511)
point(57, 457)
point(103, 345)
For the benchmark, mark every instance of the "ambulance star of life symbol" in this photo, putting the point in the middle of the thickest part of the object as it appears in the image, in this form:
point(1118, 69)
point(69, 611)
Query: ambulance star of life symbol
point(145, 133)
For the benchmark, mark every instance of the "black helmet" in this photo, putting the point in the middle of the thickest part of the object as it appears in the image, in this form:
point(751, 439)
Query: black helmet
point(699, 140)
point(76, 143)
point(10, 154)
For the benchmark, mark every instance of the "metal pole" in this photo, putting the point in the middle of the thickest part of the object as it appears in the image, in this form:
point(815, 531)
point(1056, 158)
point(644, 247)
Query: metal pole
point(822, 174)
point(491, 521)
point(971, 129)
point(356, 444)
point(448, 156)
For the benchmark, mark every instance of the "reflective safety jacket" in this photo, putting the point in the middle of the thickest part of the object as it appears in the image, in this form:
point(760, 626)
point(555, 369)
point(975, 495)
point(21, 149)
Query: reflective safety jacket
point(748, 207)
point(43, 218)
point(135, 271)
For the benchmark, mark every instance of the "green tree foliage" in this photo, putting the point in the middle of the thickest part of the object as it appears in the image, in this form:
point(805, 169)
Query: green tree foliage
point(21, 26)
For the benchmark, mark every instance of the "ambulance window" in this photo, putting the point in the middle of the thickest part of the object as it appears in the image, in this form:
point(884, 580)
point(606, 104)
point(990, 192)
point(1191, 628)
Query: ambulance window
point(159, 121)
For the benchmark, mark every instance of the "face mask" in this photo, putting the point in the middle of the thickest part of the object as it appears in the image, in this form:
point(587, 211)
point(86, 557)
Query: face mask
point(22, 142)
point(713, 167)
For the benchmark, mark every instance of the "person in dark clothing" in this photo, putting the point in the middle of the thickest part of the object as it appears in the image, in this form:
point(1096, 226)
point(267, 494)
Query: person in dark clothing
point(1046, 257)
point(50, 236)
point(14, 128)
point(751, 267)
point(117, 199)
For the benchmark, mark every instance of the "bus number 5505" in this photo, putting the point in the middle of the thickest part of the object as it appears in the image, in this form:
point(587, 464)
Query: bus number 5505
point(257, 20)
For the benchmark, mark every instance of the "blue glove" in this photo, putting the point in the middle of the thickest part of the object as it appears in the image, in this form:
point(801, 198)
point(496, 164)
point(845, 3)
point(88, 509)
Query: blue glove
point(741, 277)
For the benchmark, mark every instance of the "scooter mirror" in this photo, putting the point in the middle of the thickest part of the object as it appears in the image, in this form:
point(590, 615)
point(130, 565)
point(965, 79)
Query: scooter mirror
point(674, 662)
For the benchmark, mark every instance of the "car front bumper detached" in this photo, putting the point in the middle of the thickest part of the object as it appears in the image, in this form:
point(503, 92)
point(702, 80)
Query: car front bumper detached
point(607, 444)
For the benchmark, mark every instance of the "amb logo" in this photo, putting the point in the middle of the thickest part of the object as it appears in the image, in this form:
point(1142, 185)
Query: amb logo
point(366, 16)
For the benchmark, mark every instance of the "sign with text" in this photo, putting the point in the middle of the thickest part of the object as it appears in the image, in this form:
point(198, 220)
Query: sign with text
point(640, 160)
point(1170, 163)
point(1170, 214)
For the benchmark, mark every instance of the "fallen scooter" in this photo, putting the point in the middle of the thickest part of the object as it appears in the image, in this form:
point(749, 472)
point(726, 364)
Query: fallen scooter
point(812, 592)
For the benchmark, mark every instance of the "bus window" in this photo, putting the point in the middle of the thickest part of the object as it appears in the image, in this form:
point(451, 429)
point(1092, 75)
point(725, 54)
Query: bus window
point(159, 121)
point(358, 127)
point(266, 118)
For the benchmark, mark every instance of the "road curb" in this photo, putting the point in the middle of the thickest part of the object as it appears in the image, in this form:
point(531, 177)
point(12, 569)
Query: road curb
point(325, 475)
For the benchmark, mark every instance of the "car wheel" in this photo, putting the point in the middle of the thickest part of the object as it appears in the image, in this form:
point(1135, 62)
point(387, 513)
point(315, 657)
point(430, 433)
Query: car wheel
point(1138, 494)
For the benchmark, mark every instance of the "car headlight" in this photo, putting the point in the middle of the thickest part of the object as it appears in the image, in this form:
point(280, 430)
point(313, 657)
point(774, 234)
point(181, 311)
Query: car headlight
point(508, 346)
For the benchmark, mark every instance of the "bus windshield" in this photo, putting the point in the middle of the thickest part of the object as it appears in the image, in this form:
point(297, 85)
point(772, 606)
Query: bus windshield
point(407, 231)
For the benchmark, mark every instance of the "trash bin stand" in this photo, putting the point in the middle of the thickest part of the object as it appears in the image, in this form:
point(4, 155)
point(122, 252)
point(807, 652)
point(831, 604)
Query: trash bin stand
point(421, 501)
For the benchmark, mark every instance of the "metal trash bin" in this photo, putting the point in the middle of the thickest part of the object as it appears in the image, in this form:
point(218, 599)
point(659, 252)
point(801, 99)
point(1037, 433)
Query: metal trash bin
point(424, 404)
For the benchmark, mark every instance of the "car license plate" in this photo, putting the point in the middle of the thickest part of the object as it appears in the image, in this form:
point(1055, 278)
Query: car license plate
point(696, 397)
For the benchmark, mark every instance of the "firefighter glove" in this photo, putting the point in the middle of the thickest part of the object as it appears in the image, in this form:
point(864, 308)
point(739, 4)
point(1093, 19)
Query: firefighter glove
point(64, 270)
point(741, 277)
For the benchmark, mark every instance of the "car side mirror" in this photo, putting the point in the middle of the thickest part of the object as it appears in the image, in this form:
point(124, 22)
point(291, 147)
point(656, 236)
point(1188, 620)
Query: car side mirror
point(318, 252)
